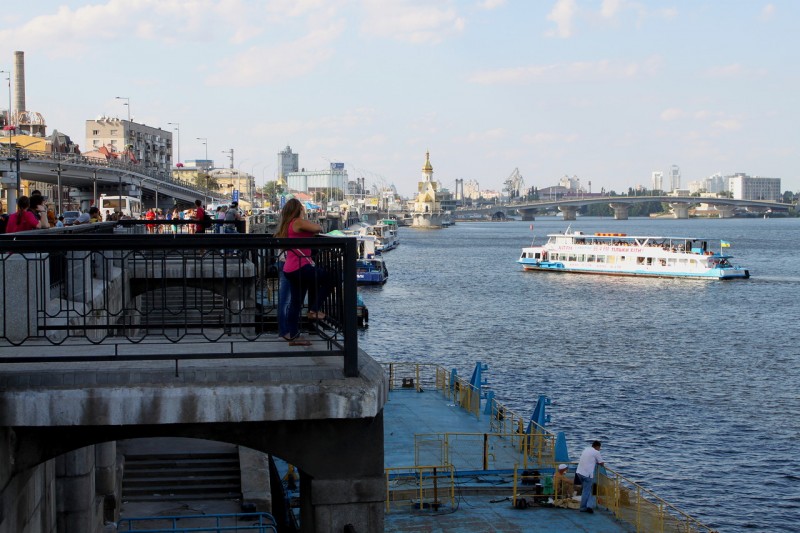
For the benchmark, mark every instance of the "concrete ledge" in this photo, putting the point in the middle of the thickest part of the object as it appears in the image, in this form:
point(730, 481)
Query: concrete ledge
point(223, 390)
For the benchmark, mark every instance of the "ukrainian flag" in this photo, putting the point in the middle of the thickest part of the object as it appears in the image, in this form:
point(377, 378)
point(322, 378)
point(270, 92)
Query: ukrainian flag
point(724, 244)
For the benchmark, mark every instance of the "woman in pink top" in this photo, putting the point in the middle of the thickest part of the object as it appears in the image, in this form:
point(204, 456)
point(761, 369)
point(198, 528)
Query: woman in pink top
point(301, 271)
point(23, 219)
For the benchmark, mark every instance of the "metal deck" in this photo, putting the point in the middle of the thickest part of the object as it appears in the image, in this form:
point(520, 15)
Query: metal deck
point(482, 502)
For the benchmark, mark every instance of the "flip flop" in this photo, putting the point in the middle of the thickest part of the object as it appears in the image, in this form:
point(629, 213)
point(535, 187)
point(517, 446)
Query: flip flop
point(316, 315)
point(300, 342)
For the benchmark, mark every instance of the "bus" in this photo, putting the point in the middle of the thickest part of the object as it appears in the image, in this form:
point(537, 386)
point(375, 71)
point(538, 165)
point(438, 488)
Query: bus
point(131, 206)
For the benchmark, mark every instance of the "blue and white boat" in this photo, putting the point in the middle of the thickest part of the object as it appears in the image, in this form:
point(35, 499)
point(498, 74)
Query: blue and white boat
point(628, 255)
point(370, 268)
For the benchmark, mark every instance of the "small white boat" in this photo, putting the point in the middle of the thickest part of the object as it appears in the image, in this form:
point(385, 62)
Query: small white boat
point(384, 231)
point(626, 255)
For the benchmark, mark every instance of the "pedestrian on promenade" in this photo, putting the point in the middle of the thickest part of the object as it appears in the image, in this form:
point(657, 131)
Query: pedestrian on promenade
point(231, 217)
point(39, 210)
point(199, 216)
point(23, 219)
point(284, 296)
point(302, 272)
point(587, 464)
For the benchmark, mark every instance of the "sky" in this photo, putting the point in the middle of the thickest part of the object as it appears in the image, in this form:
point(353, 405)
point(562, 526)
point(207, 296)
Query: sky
point(607, 91)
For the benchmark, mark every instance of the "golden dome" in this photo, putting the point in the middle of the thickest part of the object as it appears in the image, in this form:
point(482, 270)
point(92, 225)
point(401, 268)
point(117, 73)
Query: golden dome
point(427, 167)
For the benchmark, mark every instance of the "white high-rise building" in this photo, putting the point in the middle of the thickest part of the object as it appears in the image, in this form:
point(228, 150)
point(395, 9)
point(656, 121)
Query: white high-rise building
point(674, 178)
point(287, 162)
point(658, 180)
point(746, 187)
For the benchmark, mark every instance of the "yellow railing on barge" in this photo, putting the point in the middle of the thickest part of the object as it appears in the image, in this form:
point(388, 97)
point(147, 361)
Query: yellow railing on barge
point(634, 504)
point(627, 500)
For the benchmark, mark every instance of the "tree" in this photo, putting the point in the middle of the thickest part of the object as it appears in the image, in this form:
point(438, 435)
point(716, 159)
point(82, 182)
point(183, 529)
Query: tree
point(202, 180)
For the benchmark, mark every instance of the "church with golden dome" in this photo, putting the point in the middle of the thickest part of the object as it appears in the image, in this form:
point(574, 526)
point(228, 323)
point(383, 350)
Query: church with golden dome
point(427, 206)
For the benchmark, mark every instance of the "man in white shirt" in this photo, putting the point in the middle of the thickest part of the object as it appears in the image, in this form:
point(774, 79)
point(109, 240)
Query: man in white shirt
point(590, 458)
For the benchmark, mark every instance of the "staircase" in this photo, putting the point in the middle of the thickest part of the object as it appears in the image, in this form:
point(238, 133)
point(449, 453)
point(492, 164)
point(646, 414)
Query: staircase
point(181, 476)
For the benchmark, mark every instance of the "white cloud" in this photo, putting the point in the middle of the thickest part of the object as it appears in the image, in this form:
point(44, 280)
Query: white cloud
point(730, 124)
point(417, 23)
point(274, 63)
point(491, 4)
point(562, 14)
point(569, 72)
point(672, 113)
point(610, 8)
point(725, 71)
point(549, 137)
point(482, 136)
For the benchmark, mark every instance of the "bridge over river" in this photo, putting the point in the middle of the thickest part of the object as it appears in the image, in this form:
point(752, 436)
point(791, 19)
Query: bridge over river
point(621, 205)
point(109, 333)
point(88, 178)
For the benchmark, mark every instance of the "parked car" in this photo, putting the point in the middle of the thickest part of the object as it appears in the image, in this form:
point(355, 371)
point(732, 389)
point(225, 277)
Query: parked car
point(70, 217)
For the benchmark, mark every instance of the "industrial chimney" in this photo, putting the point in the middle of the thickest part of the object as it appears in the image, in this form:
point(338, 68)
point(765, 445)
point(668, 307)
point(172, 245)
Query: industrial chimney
point(19, 83)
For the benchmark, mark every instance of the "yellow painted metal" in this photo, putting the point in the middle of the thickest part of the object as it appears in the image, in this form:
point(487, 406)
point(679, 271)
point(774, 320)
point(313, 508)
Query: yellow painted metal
point(427, 484)
point(627, 500)
point(646, 512)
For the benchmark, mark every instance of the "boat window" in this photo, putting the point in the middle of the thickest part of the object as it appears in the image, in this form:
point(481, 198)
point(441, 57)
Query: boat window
point(601, 259)
point(590, 258)
point(581, 258)
point(572, 257)
point(649, 261)
point(640, 260)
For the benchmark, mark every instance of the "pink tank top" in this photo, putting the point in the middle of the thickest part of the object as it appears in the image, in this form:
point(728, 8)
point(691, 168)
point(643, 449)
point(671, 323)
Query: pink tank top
point(297, 257)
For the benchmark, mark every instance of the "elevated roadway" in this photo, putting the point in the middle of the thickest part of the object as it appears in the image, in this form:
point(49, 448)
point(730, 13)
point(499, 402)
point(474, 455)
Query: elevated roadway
point(87, 176)
point(621, 205)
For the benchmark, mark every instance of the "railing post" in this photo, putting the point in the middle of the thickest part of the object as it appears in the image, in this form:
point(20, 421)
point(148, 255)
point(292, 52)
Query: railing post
point(350, 312)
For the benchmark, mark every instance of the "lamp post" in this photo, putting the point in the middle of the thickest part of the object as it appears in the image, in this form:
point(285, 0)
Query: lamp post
point(178, 143)
point(205, 164)
point(58, 187)
point(8, 78)
point(94, 182)
point(127, 103)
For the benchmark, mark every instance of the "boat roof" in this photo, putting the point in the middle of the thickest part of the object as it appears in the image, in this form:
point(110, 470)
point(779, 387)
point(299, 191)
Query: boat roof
point(617, 236)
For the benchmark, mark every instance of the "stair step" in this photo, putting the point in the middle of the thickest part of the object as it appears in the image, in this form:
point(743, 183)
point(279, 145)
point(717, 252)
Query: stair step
point(184, 480)
point(162, 469)
point(168, 497)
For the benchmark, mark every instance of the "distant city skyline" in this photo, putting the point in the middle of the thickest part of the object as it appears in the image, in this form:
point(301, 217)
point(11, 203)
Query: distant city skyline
point(608, 91)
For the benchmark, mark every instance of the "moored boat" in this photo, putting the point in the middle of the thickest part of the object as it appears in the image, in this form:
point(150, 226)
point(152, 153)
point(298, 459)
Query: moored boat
point(627, 255)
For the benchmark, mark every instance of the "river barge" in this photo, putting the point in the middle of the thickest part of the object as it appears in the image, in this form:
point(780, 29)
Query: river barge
point(629, 255)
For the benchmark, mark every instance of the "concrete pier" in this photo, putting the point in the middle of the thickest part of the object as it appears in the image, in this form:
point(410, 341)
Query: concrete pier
point(65, 417)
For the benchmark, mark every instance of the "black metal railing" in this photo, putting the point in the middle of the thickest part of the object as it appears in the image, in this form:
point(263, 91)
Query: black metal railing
point(114, 284)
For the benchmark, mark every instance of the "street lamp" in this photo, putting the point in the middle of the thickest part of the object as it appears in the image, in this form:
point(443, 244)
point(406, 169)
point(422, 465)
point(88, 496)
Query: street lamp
point(127, 103)
point(8, 78)
point(205, 164)
point(58, 188)
point(178, 143)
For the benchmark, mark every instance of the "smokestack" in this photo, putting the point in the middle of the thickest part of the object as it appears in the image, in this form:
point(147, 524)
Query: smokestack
point(19, 82)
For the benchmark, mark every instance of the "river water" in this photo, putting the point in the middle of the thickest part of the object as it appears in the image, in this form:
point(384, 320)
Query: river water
point(693, 386)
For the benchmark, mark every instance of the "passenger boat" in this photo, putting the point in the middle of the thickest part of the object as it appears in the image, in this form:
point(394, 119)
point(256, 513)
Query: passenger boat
point(627, 255)
point(370, 268)
point(386, 232)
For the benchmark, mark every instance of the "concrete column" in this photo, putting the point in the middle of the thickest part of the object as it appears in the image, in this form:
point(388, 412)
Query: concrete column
point(22, 280)
point(680, 209)
point(105, 477)
point(338, 503)
point(570, 212)
point(620, 210)
point(77, 507)
point(725, 211)
point(527, 214)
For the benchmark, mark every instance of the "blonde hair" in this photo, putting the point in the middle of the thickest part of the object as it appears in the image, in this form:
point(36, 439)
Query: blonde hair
point(290, 212)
